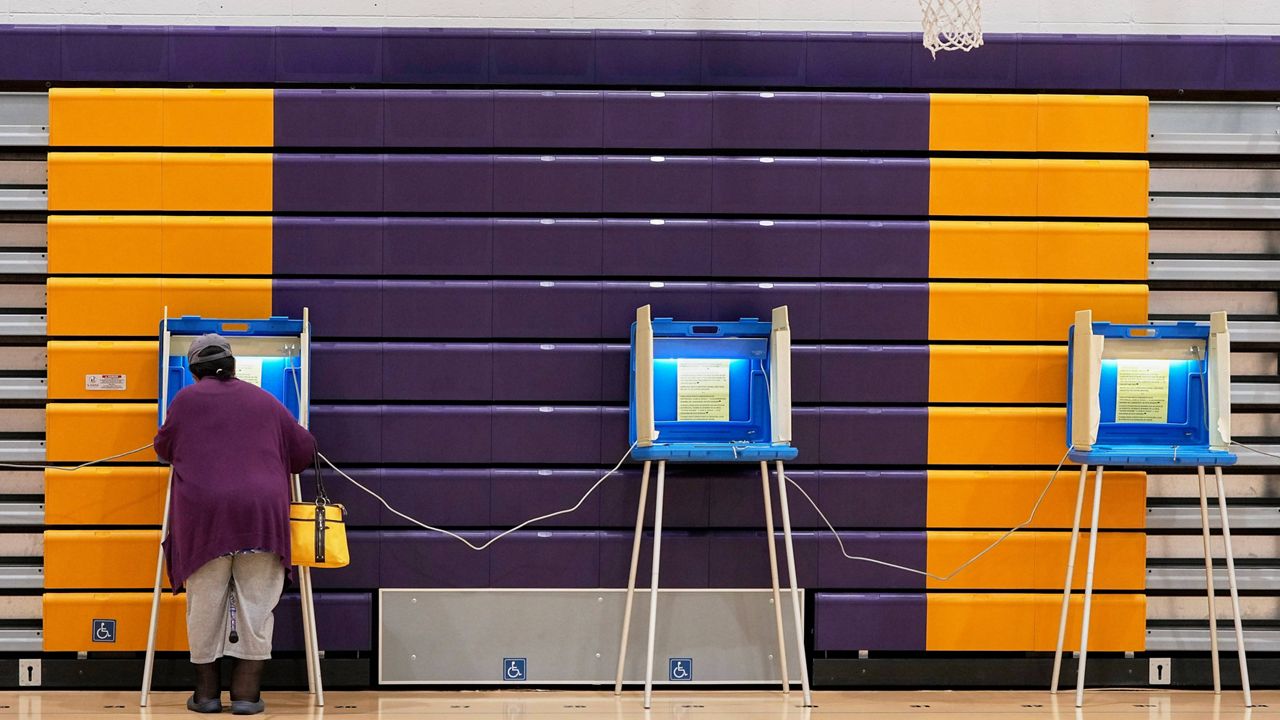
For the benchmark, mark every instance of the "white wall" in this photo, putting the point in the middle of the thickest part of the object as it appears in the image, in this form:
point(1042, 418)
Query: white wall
point(1246, 17)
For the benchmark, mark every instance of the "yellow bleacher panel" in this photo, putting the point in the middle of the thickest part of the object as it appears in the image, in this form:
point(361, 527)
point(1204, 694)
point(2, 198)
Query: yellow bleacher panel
point(1092, 123)
point(1057, 306)
point(104, 306)
point(962, 121)
point(1034, 560)
point(996, 435)
point(1092, 251)
point(68, 621)
point(105, 496)
point(1121, 561)
point(1017, 622)
point(982, 187)
point(997, 374)
point(1046, 188)
point(104, 181)
point(1093, 188)
point(1026, 311)
point(983, 250)
point(105, 117)
point(79, 432)
point(104, 244)
point(100, 559)
point(243, 245)
point(1003, 498)
point(217, 181)
point(70, 362)
point(217, 298)
point(197, 117)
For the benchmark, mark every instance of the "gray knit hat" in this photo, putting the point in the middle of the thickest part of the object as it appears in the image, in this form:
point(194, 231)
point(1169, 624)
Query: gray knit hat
point(211, 340)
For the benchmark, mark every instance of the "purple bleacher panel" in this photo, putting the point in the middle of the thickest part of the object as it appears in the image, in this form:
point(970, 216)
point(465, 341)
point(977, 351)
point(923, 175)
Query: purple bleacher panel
point(327, 183)
point(873, 249)
point(1174, 62)
point(546, 247)
point(766, 248)
point(339, 308)
point(444, 497)
point(348, 433)
point(546, 309)
point(438, 246)
point(437, 309)
point(326, 246)
point(328, 55)
point(438, 118)
point(767, 121)
point(737, 502)
point(521, 494)
point(222, 54)
point(660, 120)
point(875, 374)
point(547, 373)
point(753, 58)
point(767, 185)
point(437, 434)
point(344, 622)
point(115, 53)
point(874, 436)
point(617, 368)
point(1069, 62)
point(875, 186)
point(741, 559)
point(30, 52)
point(875, 311)
point(431, 56)
point(757, 300)
point(438, 183)
point(362, 573)
point(856, 499)
point(685, 559)
point(419, 559)
point(648, 57)
point(806, 373)
point(806, 433)
point(546, 435)
point(346, 371)
point(613, 434)
point(657, 247)
point(546, 559)
point(438, 372)
point(547, 183)
point(860, 121)
point(328, 118)
point(859, 60)
point(542, 57)
point(686, 499)
point(360, 509)
point(679, 300)
point(995, 67)
point(1251, 62)
point(657, 184)
point(849, 622)
point(548, 118)
point(836, 571)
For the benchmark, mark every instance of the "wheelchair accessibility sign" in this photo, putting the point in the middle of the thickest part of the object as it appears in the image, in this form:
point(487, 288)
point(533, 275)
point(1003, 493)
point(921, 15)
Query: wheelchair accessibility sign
point(515, 669)
point(680, 669)
point(104, 631)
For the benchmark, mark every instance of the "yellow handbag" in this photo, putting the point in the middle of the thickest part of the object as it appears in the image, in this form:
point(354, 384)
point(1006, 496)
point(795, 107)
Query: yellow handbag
point(318, 531)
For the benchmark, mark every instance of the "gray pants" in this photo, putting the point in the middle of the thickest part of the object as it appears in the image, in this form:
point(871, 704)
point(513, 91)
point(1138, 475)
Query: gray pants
point(255, 580)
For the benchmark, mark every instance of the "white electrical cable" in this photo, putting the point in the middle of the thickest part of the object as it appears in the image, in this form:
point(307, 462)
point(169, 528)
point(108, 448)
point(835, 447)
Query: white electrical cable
point(73, 468)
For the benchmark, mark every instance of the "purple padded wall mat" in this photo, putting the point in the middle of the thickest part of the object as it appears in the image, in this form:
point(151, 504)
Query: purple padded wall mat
point(438, 372)
point(861, 249)
point(857, 121)
point(438, 246)
point(327, 183)
point(685, 300)
point(547, 247)
point(902, 548)
point(686, 500)
point(657, 184)
point(348, 433)
point(657, 247)
point(546, 435)
point(1252, 61)
point(546, 309)
point(131, 53)
point(328, 118)
point(1184, 62)
point(547, 183)
point(429, 309)
point(346, 371)
point(1069, 62)
point(222, 54)
point(362, 573)
point(875, 186)
point(340, 308)
point(994, 66)
point(737, 502)
point(546, 559)
point(521, 494)
point(686, 561)
point(855, 498)
point(752, 58)
point(328, 55)
point(438, 183)
point(740, 300)
point(869, 622)
point(548, 118)
point(874, 436)
point(648, 57)
point(764, 185)
point(30, 52)
point(437, 434)
point(327, 246)
point(875, 374)
point(453, 497)
point(438, 118)
point(548, 372)
point(765, 248)
point(859, 60)
point(875, 311)
point(767, 120)
point(430, 560)
point(344, 622)
point(677, 120)
point(741, 559)
point(362, 510)
point(542, 57)
point(434, 55)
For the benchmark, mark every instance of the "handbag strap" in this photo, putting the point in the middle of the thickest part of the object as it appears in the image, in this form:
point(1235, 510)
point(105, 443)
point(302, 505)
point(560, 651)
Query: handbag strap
point(322, 496)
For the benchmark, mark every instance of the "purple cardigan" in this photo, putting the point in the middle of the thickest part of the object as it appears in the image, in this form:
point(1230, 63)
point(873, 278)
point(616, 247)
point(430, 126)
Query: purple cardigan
point(232, 446)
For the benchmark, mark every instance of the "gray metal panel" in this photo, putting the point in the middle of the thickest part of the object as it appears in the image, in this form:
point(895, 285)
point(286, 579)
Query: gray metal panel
point(1203, 302)
point(1191, 547)
point(24, 172)
point(23, 388)
point(1161, 639)
point(1242, 517)
point(1205, 180)
point(1248, 393)
point(22, 325)
point(23, 263)
point(24, 358)
point(1192, 578)
point(1216, 269)
point(24, 199)
point(15, 296)
point(21, 514)
point(21, 640)
point(1254, 424)
point(1249, 457)
point(1246, 363)
point(21, 607)
point(460, 637)
point(24, 119)
point(1254, 331)
point(1193, 606)
point(1204, 206)
point(1222, 242)
point(22, 420)
point(23, 235)
point(21, 451)
point(1238, 486)
point(21, 544)
point(22, 482)
point(24, 577)
point(1213, 127)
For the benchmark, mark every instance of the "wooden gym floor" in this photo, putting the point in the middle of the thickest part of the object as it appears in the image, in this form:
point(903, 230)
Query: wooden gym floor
point(573, 705)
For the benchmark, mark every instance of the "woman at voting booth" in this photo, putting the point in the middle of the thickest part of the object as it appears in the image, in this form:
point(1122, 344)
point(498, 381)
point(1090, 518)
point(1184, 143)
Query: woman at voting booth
point(232, 446)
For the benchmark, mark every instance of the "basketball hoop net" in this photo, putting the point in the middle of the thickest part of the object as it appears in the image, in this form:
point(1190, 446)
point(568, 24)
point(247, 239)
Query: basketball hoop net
point(952, 25)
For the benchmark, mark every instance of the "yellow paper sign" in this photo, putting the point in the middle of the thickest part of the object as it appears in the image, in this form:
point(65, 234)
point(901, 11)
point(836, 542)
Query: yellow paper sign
point(1142, 391)
point(702, 390)
point(249, 369)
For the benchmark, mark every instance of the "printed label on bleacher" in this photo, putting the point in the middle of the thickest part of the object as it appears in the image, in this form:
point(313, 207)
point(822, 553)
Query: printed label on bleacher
point(702, 390)
point(1142, 391)
point(114, 381)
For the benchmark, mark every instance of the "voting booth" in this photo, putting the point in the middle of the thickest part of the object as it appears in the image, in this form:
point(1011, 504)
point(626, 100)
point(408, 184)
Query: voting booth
point(1149, 396)
point(712, 392)
point(274, 354)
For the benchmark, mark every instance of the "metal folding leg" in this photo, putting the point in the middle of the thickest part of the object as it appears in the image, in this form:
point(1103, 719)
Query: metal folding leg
point(148, 665)
point(795, 586)
point(1088, 588)
point(1235, 594)
point(1208, 582)
point(1066, 584)
point(653, 584)
point(631, 579)
point(773, 574)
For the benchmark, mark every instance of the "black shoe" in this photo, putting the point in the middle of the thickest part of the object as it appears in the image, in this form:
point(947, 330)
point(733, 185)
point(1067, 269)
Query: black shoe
point(204, 706)
point(248, 707)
